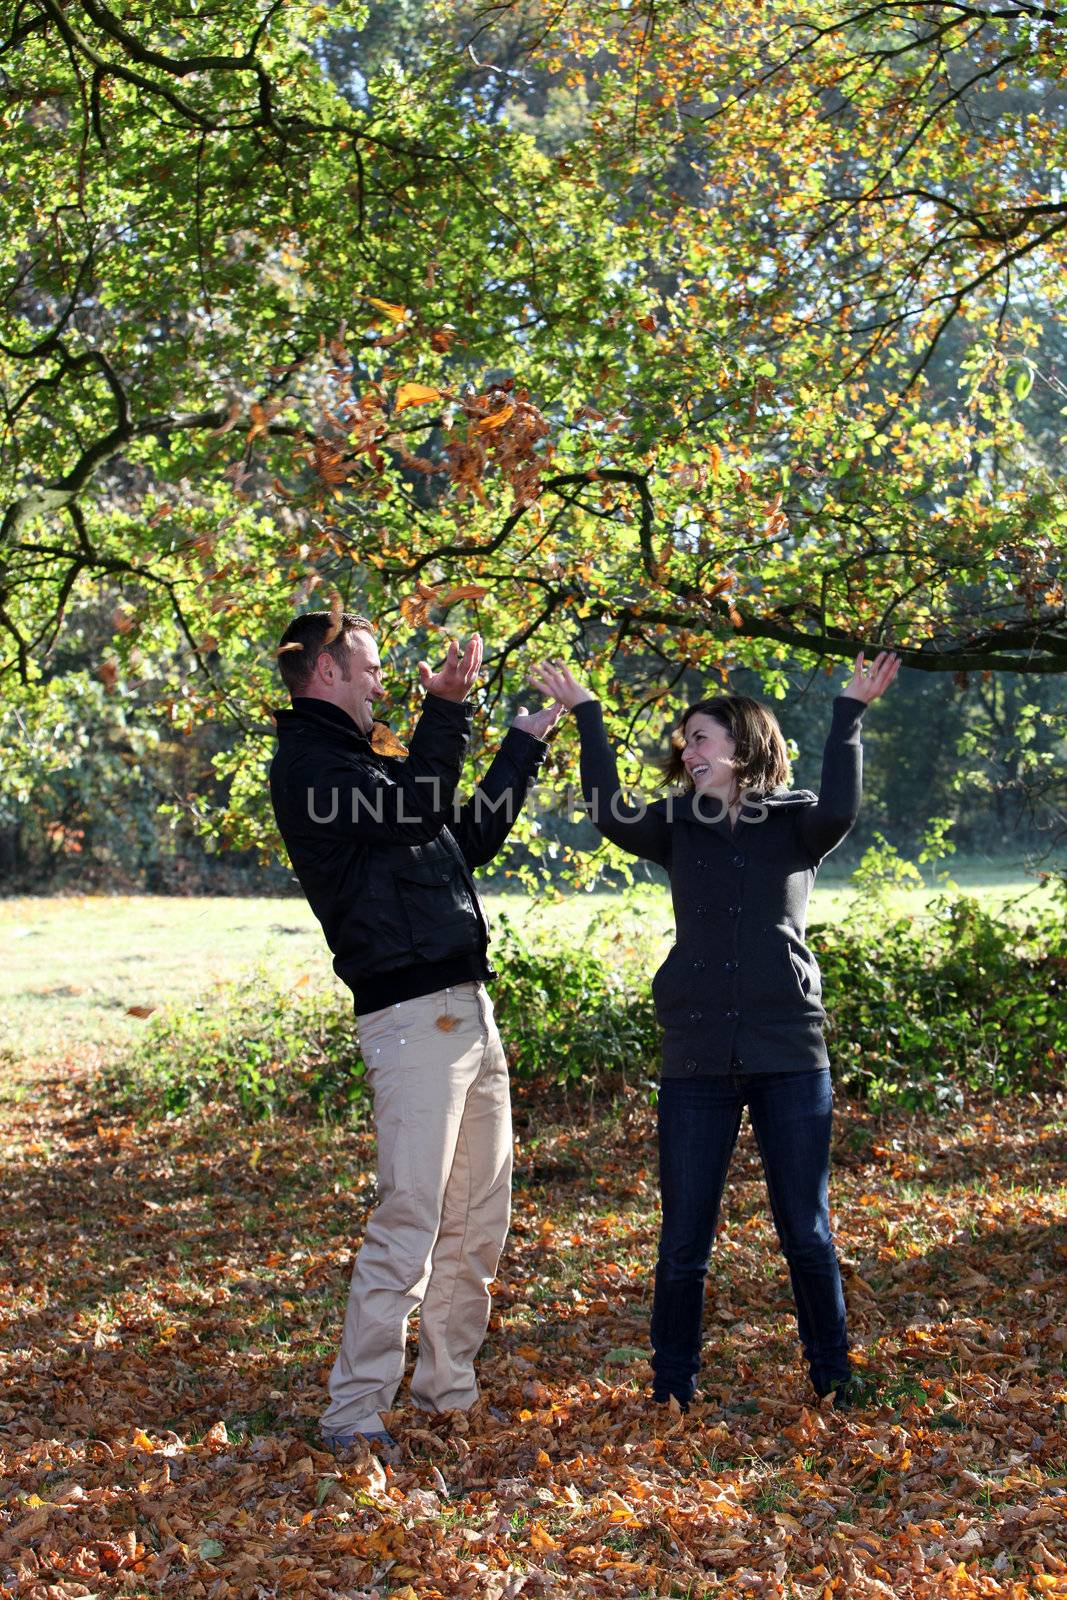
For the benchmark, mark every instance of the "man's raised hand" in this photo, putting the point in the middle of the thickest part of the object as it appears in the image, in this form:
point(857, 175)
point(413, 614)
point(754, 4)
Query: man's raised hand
point(453, 681)
point(868, 683)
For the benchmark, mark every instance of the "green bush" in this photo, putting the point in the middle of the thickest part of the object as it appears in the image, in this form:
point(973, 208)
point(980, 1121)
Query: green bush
point(568, 1012)
point(254, 1046)
point(922, 1009)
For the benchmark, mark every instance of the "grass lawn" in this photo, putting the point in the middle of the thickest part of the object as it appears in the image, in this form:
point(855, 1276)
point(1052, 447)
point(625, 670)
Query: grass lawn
point(72, 967)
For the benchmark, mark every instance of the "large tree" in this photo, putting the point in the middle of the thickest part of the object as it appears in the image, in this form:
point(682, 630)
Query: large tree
point(739, 362)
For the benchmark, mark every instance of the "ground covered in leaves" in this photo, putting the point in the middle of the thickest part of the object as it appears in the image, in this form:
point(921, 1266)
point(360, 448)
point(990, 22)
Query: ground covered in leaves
point(171, 1296)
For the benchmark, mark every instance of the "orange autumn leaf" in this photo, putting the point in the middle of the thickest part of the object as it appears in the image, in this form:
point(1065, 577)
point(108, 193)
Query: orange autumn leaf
point(496, 420)
point(384, 742)
point(415, 394)
point(466, 591)
point(540, 1538)
point(394, 313)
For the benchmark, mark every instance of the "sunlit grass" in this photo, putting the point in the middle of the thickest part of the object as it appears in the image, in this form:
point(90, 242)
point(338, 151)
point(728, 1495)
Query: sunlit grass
point(71, 967)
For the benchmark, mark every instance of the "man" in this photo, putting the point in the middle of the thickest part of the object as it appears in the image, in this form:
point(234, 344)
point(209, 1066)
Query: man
point(385, 854)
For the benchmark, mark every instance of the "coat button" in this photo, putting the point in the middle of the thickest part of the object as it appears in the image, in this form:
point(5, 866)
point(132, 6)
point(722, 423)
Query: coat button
point(739, 860)
point(733, 1014)
point(695, 1016)
point(733, 911)
point(702, 911)
point(736, 1064)
point(730, 966)
point(701, 862)
point(690, 1064)
point(699, 965)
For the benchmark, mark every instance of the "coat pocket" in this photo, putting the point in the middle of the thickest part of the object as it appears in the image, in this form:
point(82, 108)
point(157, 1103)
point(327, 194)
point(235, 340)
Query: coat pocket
point(806, 976)
point(668, 985)
point(441, 916)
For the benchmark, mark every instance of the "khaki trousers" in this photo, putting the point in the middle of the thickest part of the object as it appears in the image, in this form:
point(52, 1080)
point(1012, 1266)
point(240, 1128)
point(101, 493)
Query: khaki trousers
point(442, 1113)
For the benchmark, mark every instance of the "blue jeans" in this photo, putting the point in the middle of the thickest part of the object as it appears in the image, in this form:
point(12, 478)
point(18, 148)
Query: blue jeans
point(699, 1120)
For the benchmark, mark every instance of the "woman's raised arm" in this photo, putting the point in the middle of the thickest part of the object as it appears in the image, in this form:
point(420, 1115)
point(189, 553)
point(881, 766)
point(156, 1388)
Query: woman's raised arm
point(824, 825)
point(642, 830)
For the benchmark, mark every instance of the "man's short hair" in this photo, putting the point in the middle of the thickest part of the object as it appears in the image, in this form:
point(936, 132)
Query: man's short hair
point(307, 636)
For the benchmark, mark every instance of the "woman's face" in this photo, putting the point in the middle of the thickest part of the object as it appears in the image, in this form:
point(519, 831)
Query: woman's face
point(708, 754)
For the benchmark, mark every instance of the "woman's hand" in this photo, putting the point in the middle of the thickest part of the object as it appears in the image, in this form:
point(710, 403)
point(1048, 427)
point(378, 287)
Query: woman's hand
point(539, 723)
point(560, 683)
point(454, 679)
point(870, 682)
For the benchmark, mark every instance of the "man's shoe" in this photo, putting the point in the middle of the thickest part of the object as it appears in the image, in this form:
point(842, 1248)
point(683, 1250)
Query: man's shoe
point(380, 1442)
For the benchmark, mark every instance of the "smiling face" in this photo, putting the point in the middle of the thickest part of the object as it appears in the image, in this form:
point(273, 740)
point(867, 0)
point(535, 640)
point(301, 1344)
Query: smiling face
point(708, 754)
point(356, 690)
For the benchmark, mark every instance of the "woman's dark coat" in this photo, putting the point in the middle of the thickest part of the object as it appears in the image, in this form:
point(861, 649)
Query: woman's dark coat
point(739, 990)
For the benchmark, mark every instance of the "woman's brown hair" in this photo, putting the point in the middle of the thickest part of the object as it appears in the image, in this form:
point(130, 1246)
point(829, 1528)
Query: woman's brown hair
point(761, 761)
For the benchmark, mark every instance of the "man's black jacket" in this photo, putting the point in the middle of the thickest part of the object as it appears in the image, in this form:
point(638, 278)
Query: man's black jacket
point(383, 850)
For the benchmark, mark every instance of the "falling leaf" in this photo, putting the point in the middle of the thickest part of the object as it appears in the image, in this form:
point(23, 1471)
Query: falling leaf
point(466, 591)
point(415, 394)
point(336, 617)
point(394, 313)
point(232, 415)
point(140, 1010)
point(446, 1023)
point(383, 741)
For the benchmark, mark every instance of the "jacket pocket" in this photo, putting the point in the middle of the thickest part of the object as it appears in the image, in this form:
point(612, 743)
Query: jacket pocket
point(441, 916)
point(806, 977)
point(668, 987)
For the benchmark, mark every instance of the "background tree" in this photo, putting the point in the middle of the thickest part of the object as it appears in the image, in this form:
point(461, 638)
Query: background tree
point(414, 305)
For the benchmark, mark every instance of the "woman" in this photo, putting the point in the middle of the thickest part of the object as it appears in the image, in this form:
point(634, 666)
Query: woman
point(739, 995)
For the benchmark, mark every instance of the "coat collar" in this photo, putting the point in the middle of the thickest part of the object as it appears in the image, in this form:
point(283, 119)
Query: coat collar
point(320, 715)
point(688, 808)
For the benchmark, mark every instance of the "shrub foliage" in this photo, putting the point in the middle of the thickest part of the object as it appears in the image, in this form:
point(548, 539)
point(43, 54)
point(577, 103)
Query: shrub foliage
point(923, 1010)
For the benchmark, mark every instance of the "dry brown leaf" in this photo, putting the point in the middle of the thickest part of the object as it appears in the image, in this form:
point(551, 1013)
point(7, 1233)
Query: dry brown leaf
point(384, 741)
point(336, 617)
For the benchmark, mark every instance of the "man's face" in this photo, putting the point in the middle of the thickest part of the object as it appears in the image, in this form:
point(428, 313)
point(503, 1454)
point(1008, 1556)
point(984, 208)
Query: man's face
point(357, 693)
